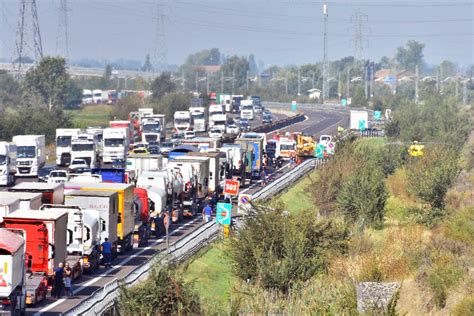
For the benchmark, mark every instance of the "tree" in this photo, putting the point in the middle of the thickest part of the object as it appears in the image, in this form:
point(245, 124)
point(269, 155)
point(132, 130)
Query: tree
point(172, 102)
point(9, 90)
point(238, 66)
point(384, 62)
point(162, 85)
point(278, 251)
point(447, 69)
point(105, 80)
point(410, 56)
point(164, 293)
point(147, 66)
point(49, 80)
point(253, 64)
point(359, 98)
point(362, 197)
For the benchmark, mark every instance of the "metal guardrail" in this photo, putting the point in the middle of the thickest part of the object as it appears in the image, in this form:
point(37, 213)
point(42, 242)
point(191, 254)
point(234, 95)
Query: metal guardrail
point(104, 298)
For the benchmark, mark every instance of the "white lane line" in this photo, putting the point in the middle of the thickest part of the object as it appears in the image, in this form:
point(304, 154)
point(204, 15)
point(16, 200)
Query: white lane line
point(113, 268)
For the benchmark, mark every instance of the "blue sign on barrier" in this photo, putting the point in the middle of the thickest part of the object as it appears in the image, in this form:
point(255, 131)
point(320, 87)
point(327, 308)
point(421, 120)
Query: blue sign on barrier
point(224, 213)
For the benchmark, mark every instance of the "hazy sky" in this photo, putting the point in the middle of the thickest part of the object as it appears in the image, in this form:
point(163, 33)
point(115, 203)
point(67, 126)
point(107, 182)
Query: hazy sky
point(276, 31)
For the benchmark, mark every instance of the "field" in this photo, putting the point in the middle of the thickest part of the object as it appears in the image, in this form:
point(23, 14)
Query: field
point(91, 115)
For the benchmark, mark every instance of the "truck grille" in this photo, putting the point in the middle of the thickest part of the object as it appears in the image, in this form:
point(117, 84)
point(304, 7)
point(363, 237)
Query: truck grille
point(24, 163)
point(151, 138)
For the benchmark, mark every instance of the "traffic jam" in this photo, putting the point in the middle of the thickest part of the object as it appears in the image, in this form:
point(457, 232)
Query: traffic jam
point(114, 189)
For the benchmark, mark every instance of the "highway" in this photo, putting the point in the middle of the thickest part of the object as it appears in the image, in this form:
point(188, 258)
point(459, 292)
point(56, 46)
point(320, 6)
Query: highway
point(319, 121)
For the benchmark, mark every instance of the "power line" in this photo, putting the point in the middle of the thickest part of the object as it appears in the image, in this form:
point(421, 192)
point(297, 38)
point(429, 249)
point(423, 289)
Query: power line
point(358, 20)
point(28, 26)
point(62, 38)
point(387, 5)
point(160, 36)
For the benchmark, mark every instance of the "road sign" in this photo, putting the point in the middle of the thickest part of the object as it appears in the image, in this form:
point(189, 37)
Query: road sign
point(331, 148)
point(377, 115)
point(231, 187)
point(390, 79)
point(343, 102)
point(245, 199)
point(362, 125)
point(224, 213)
point(294, 106)
point(416, 150)
point(319, 152)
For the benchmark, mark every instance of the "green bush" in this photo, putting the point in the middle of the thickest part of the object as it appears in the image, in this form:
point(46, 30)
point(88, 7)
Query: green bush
point(362, 197)
point(279, 251)
point(164, 293)
point(460, 226)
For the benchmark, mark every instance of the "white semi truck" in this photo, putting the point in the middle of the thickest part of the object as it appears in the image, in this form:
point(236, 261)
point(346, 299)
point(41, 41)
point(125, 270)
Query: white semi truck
point(87, 96)
point(218, 121)
point(63, 145)
point(7, 163)
point(83, 146)
point(115, 144)
point(182, 121)
point(246, 109)
point(151, 130)
point(199, 118)
point(31, 154)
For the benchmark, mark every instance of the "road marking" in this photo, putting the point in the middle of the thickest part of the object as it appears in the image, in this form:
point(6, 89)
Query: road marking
point(113, 268)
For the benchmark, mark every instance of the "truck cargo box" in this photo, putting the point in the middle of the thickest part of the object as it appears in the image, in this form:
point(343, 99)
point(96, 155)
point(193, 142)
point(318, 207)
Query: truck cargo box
point(8, 205)
point(12, 260)
point(53, 193)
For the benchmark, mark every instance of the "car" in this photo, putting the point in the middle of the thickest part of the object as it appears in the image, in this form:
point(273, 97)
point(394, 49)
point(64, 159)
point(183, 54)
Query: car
point(177, 137)
point(237, 120)
point(119, 163)
point(77, 163)
point(232, 129)
point(80, 170)
point(139, 150)
point(244, 125)
point(189, 134)
point(166, 147)
point(44, 172)
point(215, 132)
point(58, 176)
point(266, 112)
point(154, 148)
point(267, 118)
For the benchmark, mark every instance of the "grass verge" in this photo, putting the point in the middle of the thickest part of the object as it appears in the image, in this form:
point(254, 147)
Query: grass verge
point(91, 115)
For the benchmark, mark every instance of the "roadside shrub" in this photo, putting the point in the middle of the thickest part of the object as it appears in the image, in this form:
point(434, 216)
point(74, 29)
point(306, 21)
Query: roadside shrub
point(464, 307)
point(279, 251)
point(460, 226)
point(362, 196)
point(164, 293)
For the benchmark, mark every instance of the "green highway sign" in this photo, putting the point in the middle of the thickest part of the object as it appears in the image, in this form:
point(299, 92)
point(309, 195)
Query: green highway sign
point(343, 102)
point(224, 213)
point(319, 151)
point(362, 125)
point(294, 106)
point(377, 115)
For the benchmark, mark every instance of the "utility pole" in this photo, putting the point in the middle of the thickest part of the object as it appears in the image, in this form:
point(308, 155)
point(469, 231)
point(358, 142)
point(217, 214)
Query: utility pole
point(27, 24)
point(222, 82)
point(464, 93)
point(339, 86)
point(299, 82)
point(313, 80)
point(160, 36)
point(183, 81)
point(325, 75)
point(348, 82)
point(247, 76)
point(358, 20)
point(62, 38)
point(366, 81)
point(197, 78)
point(457, 90)
point(372, 75)
point(438, 84)
point(417, 79)
point(286, 84)
point(207, 83)
point(233, 83)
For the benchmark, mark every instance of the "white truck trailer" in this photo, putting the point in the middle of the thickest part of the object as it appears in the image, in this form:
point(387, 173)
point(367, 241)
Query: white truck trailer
point(359, 119)
point(30, 154)
point(198, 117)
point(12, 272)
point(182, 121)
point(7, 163)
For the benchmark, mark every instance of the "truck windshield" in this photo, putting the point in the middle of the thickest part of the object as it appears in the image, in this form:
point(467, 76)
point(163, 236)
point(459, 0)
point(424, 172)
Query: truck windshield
point(181, 121)
point(82, 147)
point(63, 141)
point(219, 122)
point(113, 142)
point(26, 152)
point(287, 147)
point(3, 159)
point(152, 128)
point(247, 107)
point(198, 116)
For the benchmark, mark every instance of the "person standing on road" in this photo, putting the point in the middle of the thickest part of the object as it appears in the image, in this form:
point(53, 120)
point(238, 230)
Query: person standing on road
point(263, 177)
point(67, 280)
point(58, 280)
point(107, 252)
point(207, 213)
